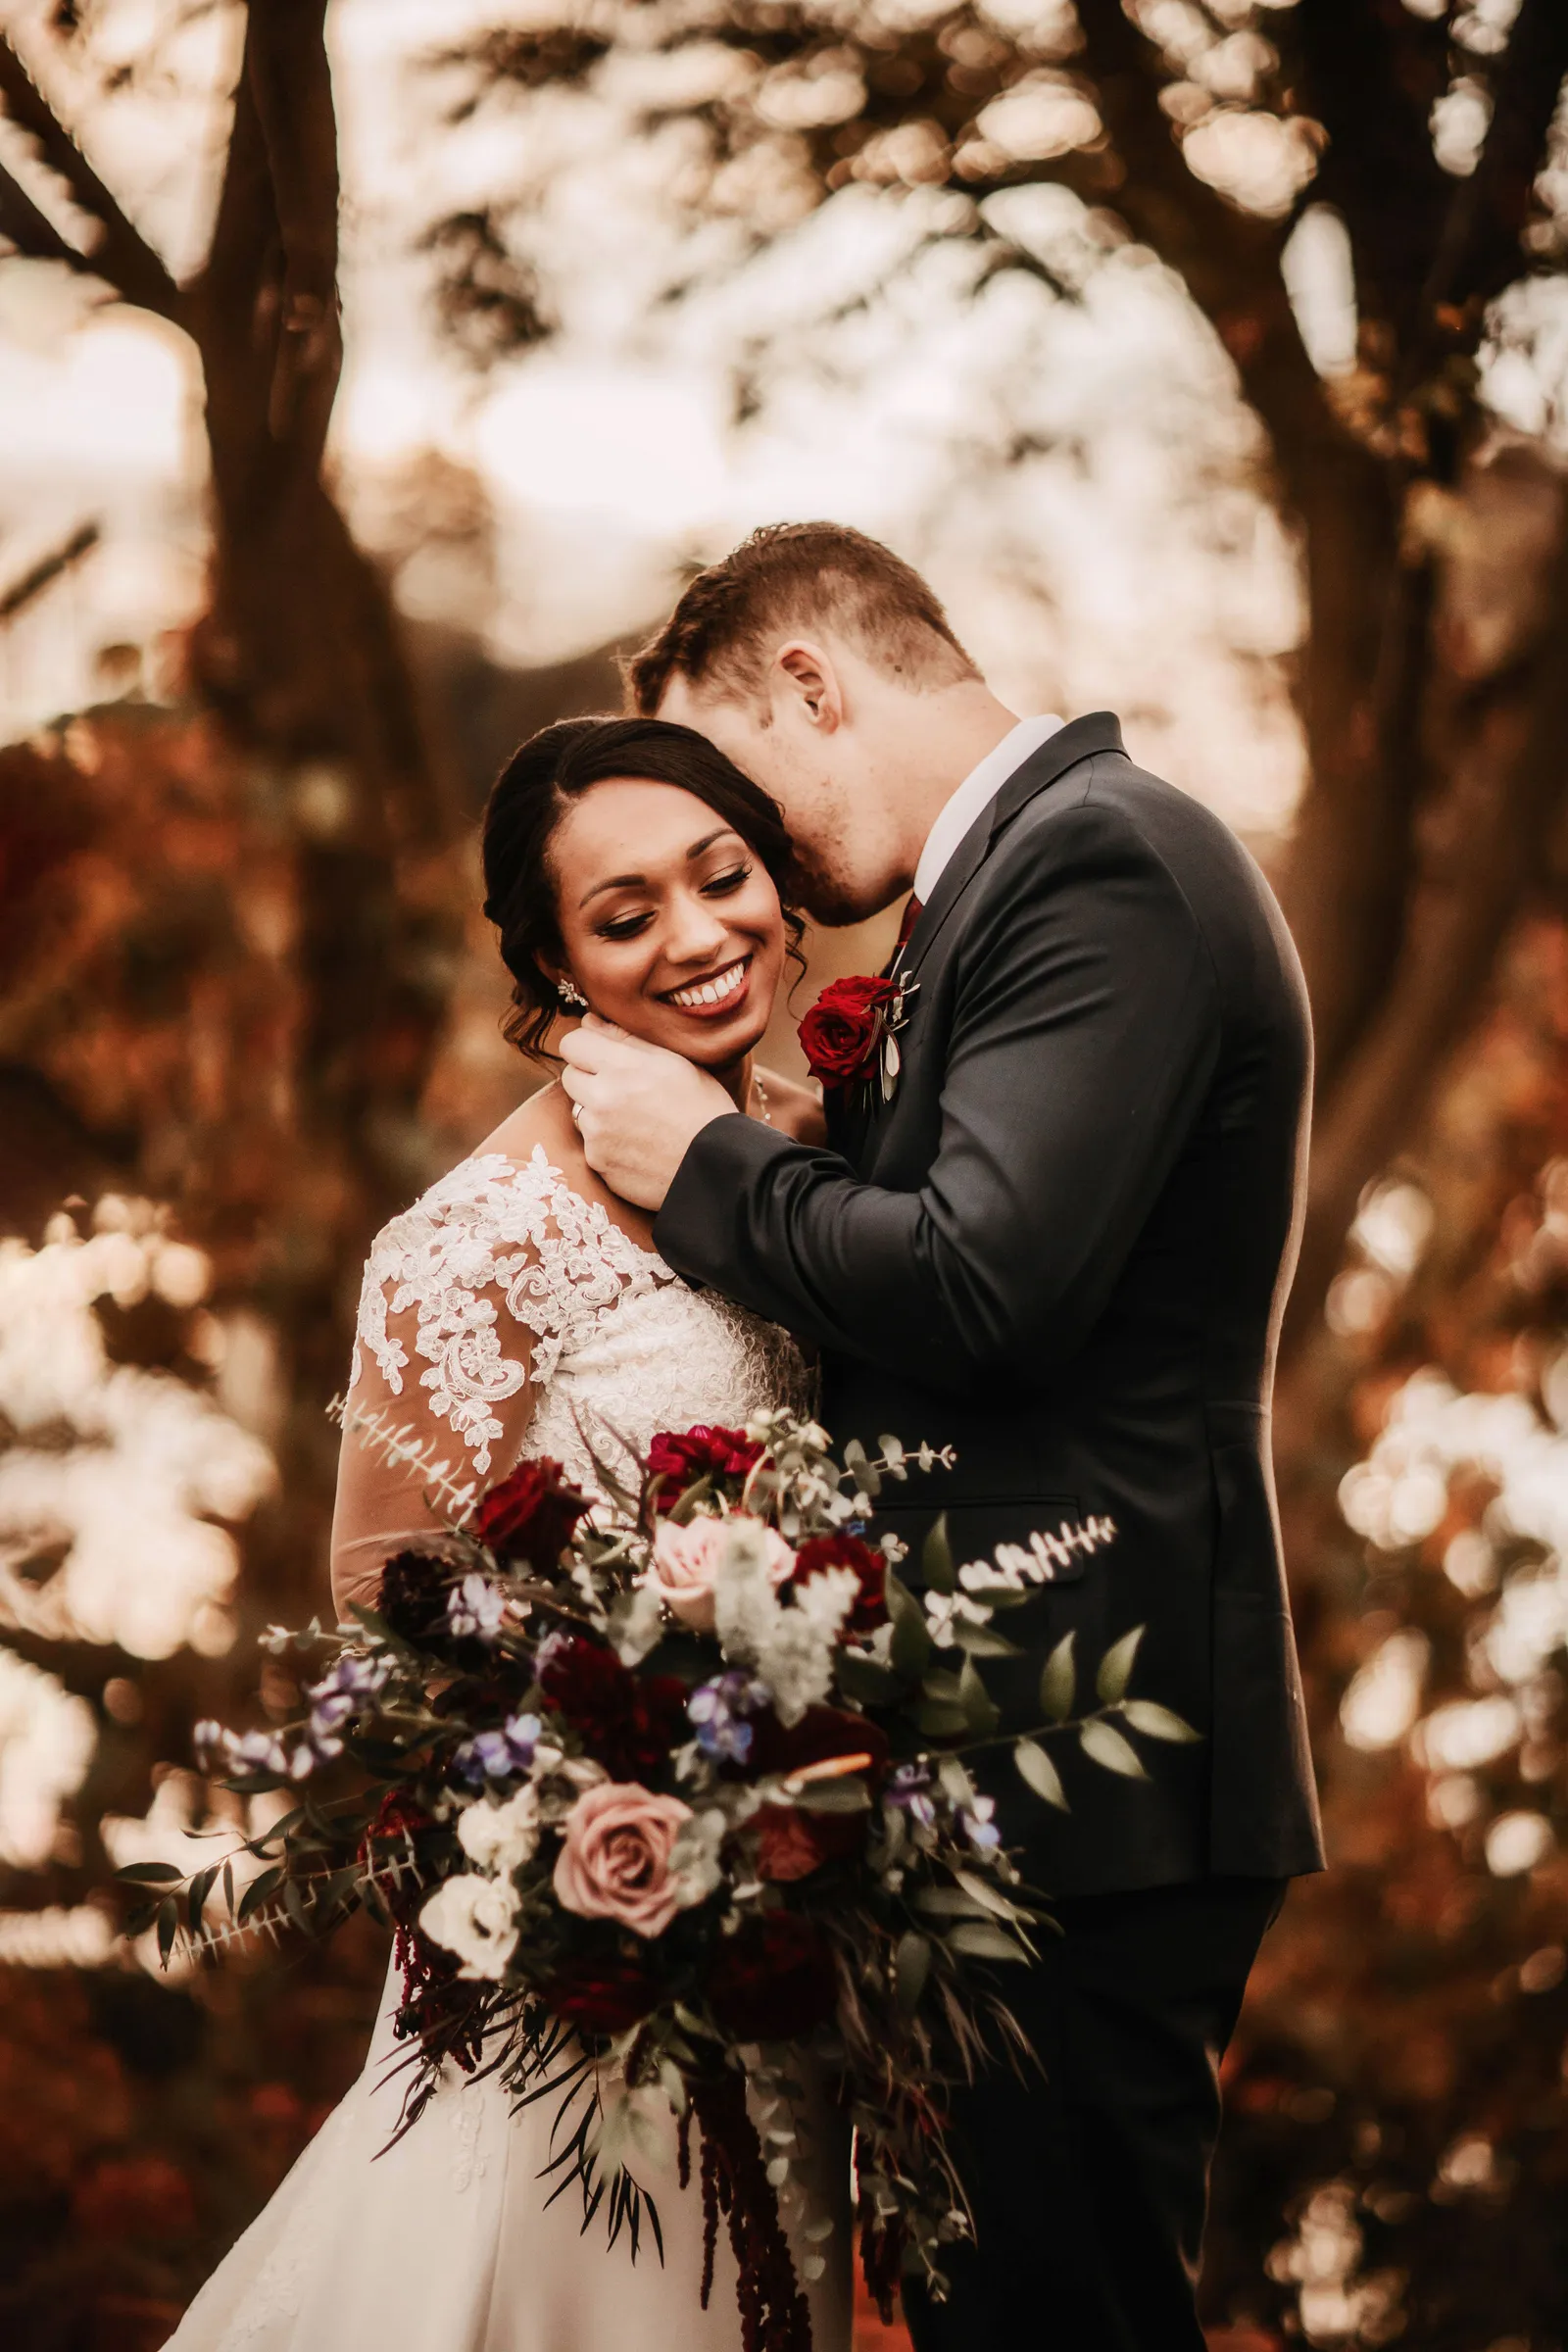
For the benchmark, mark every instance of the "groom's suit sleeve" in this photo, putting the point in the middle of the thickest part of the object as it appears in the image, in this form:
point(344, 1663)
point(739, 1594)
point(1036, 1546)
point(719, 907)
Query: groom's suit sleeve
point(1085, 1029)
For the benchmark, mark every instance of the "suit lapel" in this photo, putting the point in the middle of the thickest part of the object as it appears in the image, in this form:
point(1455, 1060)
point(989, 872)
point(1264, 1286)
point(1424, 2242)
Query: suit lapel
point(1080, 739)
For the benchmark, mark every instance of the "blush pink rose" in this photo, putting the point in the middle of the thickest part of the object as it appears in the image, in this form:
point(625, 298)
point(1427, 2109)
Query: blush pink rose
point(686, 1560)
point(613, 1861)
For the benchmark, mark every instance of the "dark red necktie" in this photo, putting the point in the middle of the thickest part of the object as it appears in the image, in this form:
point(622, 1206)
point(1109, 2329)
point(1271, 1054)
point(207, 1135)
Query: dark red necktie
point(911, 915)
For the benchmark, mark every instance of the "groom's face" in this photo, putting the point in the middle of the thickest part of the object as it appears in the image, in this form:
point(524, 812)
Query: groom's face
point(827, 785)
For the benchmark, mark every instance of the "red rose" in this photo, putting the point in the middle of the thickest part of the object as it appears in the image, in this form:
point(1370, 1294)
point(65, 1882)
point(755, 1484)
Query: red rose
point(840, 1036)
point(604, 1995)
point(848, 1552)
point(792, 1844)
point(676, 1460)
point(772, 1980)
point(628, 1723)
point(530, 1516)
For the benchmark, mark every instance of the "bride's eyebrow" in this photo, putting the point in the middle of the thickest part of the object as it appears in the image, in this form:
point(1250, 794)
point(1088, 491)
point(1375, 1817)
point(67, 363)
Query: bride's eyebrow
point(640, 881)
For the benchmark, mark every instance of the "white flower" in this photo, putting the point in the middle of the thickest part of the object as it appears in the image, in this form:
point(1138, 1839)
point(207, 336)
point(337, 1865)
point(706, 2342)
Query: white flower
point(694, 1857)
point(827, 1597)
point(946, 1611)
point(796, 1662)
point(635, 1624)
point(745, 1605)
point(476, 1919)
point(502, 1837)
point(476, 1606)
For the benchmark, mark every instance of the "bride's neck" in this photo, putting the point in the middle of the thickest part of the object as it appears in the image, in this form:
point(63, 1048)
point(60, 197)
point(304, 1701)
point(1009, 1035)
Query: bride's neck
point(736, 1080)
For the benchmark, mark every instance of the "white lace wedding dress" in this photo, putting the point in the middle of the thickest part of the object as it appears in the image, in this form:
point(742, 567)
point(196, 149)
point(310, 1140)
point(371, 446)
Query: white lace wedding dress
point(510, 1312)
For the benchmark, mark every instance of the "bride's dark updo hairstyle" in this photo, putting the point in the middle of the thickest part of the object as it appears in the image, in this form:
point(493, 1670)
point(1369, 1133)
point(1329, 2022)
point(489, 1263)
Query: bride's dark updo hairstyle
point(533, 793)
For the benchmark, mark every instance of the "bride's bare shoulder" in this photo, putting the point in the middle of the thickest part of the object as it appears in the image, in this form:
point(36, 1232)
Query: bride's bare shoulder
point(543, 1121)
point(544, 1118)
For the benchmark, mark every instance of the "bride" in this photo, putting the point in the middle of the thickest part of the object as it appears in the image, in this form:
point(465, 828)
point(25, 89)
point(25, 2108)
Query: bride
point(520, 1308)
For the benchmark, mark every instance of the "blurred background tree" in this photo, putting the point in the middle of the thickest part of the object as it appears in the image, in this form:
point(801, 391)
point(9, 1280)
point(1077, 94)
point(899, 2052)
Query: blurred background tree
point(1217, 355)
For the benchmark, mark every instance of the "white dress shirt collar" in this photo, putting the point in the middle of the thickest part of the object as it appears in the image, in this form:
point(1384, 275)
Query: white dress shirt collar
point(975, 794)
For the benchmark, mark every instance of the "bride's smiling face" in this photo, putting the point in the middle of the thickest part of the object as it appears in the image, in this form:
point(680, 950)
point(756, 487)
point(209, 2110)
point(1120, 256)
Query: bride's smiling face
point(670, 925)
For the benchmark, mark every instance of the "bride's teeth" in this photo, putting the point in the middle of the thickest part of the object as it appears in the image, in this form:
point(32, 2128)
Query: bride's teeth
point(712, 992)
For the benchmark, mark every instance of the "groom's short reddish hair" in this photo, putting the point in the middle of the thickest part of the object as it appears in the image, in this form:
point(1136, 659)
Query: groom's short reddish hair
point(798, 576)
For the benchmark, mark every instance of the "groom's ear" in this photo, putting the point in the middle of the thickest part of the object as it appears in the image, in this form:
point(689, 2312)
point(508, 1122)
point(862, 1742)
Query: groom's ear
point(811, 682)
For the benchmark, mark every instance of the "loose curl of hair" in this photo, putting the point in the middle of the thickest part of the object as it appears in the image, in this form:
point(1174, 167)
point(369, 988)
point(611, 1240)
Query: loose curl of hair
point(534, 792)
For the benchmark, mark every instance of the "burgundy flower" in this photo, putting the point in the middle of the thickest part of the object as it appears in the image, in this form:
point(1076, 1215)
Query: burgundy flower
point(397, 1819)
point(821, 1733)
point(628, 1723)
point(604, 1995)
point(848, 1552)
point(529, 1515)
point(792, 1844)
point(677, 1459)
point(412, 1597)
point(772, 1980)
point(842, 1035)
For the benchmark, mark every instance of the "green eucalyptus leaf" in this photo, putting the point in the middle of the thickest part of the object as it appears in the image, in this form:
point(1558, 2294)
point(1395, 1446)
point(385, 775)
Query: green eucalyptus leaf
point(201, 1886)
point(941, 1718)
point(989, 1897)
point(150, 1874)
point(979, 1706)
point(984, 1642)
point(849, 1795)
point(866, 1681)
point(950, 1902)
point(912, 1643)
point(1037, 1772)
point(1058, 1684)
point(1117, 1666)
point(167, 1928)
point(1105, 1745)
point(1156, 1722)
point(912, 1965)
point(936, 1558)
point(260, 1889)
point(983, 1940)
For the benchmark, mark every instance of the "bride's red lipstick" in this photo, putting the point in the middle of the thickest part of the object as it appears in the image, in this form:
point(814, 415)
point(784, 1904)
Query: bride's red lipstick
point(732, 992)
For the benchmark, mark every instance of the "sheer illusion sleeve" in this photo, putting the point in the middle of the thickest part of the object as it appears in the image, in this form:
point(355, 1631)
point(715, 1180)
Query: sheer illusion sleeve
point(444, 1364)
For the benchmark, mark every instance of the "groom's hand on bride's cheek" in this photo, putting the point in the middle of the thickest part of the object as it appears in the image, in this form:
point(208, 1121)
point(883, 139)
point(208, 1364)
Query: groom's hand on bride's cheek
point(637, 1107)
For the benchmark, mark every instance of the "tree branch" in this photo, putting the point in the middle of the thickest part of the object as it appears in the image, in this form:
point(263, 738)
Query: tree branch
point(290, 84)
point(122, 257)
point(1485, 841)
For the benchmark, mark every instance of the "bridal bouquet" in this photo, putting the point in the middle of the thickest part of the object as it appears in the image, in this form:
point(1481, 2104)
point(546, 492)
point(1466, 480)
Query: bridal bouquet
point(661, 1793)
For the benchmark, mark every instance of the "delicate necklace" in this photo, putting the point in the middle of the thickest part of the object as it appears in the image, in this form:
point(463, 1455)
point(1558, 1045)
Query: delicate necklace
point(761, 1092)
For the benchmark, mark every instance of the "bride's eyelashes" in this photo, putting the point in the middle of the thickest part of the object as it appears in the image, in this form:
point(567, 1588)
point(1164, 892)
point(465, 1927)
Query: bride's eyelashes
point(632, 926)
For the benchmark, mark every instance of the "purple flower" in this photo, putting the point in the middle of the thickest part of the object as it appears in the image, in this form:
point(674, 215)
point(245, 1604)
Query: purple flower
point(498, 1756)
point(910, 1789)
point(476, 1606)
point(977, 1824)
point(340, 1697)
point(717, 1710)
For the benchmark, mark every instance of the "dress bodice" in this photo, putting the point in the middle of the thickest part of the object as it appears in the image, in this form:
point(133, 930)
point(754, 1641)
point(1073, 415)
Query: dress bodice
point(539, 1327)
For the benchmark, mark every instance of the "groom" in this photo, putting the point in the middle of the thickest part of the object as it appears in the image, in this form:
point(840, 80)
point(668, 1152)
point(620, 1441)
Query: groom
point(1062, 1244)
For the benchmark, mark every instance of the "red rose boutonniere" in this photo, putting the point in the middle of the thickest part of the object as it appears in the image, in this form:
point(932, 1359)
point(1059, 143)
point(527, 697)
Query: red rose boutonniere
point(849, 1037)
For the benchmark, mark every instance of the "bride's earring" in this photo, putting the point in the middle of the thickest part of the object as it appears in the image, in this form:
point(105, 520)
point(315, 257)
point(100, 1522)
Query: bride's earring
point(571, 996)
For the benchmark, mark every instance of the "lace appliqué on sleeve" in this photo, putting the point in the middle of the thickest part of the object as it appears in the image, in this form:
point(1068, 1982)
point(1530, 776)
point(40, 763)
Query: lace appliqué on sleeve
point(493, 1234)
